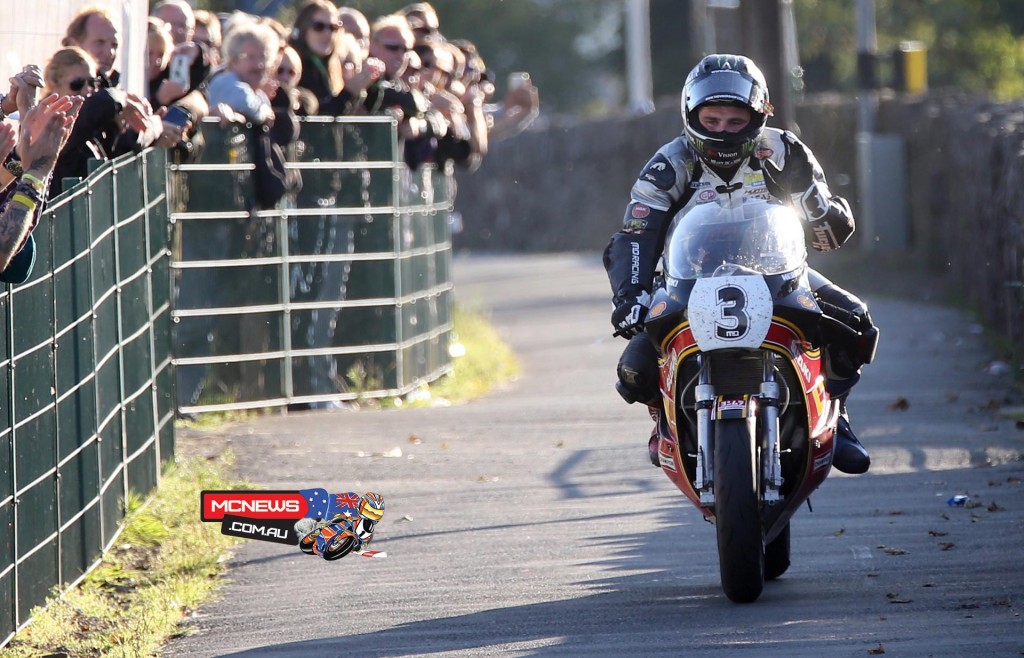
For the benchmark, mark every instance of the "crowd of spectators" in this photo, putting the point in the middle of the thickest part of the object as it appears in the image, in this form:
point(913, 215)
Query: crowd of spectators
point(254, 70)
point(331, 61)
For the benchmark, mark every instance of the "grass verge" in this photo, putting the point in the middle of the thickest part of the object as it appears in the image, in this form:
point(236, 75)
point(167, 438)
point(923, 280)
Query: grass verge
point(165, 563)
point(480, 360)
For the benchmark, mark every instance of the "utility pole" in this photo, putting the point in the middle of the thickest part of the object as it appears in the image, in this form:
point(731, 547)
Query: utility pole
point(638, 56)
point(764, 42)
point(881, 159)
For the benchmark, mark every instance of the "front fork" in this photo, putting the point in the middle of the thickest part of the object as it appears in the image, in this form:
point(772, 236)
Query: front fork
point(769, 402)
point(704, 399)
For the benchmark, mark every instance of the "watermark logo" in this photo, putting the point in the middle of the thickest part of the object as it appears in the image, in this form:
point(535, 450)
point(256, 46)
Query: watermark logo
point(330, 525)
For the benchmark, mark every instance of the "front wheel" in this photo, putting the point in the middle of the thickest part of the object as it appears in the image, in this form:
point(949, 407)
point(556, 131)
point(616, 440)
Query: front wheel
point(776, 555)
point(737, 516)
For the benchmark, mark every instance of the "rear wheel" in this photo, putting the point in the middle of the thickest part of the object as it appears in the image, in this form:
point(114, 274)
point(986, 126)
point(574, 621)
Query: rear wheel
point(776, 555)
point(741, 556)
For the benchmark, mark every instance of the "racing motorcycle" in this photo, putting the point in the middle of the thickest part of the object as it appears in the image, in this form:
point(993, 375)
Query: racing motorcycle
point(746, 431)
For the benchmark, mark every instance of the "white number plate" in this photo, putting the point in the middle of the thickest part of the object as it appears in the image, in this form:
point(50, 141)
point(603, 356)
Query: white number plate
point(730, 311)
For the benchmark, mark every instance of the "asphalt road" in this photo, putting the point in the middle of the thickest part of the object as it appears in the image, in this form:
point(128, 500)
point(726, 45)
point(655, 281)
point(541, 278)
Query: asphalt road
point(529, 522)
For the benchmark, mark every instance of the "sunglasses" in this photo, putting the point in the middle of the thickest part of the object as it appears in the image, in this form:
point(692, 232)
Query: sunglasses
point(320, 26)
point(286, 72)
point(395, 47)
point(77, 84)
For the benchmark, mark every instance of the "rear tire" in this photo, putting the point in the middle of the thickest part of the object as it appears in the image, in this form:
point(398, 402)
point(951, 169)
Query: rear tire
point(737, 516)
point(776, 555)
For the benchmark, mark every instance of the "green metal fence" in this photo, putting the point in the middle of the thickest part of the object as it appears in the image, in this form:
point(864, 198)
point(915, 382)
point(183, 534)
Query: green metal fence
point(343, 292)
point(86, 380)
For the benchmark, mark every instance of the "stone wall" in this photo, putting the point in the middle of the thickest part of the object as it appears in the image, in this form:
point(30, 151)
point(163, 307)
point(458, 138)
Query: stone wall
point(565, 188)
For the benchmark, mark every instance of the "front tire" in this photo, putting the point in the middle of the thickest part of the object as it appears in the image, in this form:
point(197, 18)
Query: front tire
point(741, 557)
point(776, 555)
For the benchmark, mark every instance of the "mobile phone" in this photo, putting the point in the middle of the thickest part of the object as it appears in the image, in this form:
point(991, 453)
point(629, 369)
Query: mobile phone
point(518, 79)
point(179, 73)
point(177, 115)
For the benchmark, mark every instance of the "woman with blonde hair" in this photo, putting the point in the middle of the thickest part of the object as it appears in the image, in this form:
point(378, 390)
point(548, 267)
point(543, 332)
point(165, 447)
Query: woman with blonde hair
point(70, 72)
point(159, 46)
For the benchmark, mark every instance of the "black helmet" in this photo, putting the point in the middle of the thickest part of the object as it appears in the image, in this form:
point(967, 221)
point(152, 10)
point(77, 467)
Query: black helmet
point(725, 80)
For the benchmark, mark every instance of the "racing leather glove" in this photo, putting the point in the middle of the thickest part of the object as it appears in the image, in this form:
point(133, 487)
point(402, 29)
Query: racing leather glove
point(628, 317)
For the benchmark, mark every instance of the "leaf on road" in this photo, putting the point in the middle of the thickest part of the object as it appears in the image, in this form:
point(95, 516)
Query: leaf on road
point(889, 550)
point(877, 651)
point(895, 598)
point(899, 404)
point(937, 533)
point(947, 545)
point(415, 439)
point(995, 507)
point(839, 533)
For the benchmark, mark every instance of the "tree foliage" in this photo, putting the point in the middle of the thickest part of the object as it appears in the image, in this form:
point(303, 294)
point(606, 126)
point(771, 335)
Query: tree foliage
point(573, 49)
point(973, 45)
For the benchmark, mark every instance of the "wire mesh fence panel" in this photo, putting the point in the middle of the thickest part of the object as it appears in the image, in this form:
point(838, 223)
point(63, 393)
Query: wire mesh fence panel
point(81, 365)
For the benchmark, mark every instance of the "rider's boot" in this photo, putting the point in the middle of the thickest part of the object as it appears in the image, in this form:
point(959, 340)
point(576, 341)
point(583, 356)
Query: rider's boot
point(850, 456)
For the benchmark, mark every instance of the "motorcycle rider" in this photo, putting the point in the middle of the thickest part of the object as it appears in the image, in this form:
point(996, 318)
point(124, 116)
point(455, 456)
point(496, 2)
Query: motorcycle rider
point(726, 149)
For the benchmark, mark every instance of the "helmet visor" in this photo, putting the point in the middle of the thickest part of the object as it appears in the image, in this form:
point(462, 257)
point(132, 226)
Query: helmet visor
point(725, 87)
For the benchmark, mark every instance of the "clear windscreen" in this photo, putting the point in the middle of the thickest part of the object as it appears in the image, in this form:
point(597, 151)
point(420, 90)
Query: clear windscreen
point(756, 235)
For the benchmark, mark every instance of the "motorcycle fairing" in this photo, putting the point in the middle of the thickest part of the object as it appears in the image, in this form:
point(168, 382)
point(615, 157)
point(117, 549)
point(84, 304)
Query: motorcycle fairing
point(784, 338)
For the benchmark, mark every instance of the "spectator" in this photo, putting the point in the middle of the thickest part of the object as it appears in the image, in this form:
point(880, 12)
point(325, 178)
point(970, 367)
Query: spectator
point(208, 33)
point(238, 89)
point(462, 104)
point(179, 16)
point(43, 131)
point(114, 121)
point(324, 50)
point(70, 72)
point(423, 21)
point(103, 117)
point(354, 22)
point(390, 41)
point(159, 46)
point(20, 99)
point(92, 30)
point(33, 79)
point(517, 110)
point(289, 71)
point(452, 137)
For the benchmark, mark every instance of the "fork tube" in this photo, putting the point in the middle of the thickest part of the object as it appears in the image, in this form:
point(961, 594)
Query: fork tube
point(770, 417)
point(704, 398)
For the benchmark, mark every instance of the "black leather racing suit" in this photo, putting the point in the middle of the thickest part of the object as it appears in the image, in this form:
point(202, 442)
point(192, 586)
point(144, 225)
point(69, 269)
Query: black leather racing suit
point(674, 180)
